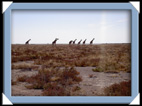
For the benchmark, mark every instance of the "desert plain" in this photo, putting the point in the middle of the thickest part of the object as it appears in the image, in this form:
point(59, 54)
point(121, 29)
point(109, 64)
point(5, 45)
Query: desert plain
point(71, 70)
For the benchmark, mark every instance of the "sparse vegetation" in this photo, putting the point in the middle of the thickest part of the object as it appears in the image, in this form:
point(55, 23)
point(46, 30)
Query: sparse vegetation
point(52, 81)
point(55, 65)
point(109, 57)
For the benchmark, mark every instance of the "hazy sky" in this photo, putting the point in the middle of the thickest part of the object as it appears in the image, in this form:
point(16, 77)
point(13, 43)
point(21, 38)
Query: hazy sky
point(43, 26)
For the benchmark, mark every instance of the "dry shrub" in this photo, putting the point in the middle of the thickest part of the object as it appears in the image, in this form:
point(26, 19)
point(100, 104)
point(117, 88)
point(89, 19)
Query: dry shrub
point(22, 79)
point(13, 82)
point(39, 79)
point(53, 81)
point(23, 57)
point(121, 89)
point(70, 73)
point(53, 89)
point(21, 66)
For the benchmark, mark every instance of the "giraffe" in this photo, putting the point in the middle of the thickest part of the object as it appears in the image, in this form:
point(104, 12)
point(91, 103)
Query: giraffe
point(74, 41)
point(92, 41)
point(70, 42)
point(27, 42)
point(54, 42)
point(84, 41)
point(79, 42)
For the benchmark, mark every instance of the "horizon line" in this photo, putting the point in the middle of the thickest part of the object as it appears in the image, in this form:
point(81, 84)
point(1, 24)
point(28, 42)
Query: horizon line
point(65, 43)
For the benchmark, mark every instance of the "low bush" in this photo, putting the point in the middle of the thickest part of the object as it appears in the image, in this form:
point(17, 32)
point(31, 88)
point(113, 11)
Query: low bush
point(53, 89)
point(22, 79)
point(13, 82)
point(121, 89)
point(53, 81)
point(68, 74)
point(39, 79)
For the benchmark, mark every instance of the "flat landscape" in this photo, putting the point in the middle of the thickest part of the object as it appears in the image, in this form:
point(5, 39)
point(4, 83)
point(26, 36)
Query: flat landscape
point(71, 70)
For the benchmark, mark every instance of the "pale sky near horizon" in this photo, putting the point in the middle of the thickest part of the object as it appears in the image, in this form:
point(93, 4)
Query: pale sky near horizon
point(43, 26)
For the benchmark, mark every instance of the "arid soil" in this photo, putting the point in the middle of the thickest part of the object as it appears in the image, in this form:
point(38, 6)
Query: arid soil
point(92, 83)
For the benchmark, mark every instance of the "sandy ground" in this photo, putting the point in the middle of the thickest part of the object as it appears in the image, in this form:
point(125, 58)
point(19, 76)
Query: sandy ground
point(90, 86)
point(99, 80)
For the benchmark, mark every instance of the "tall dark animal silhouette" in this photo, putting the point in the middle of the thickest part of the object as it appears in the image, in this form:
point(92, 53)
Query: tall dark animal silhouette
point(27, 42)
point(54, 42)
point(84, 41)
point(70, 42)
point(79, 42)
point(74, 41)
point(91, 42)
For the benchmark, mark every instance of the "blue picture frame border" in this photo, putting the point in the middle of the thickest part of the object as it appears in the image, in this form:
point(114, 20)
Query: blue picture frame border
point(71, 99)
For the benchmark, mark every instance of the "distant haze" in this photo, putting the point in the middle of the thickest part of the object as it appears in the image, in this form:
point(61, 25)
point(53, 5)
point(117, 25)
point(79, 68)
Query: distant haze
point(43, 26)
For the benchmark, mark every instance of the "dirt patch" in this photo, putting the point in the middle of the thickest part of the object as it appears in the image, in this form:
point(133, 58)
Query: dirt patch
point(94, 82)
point(20, 90)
